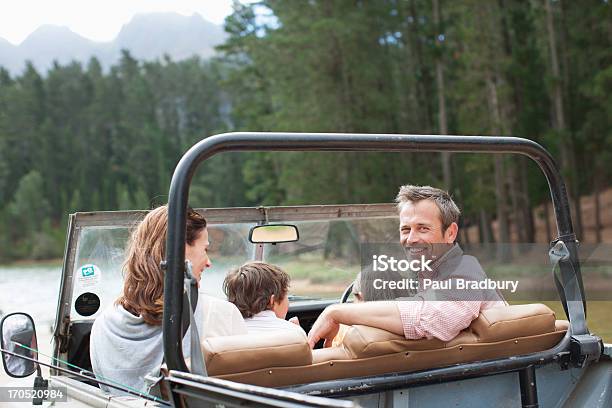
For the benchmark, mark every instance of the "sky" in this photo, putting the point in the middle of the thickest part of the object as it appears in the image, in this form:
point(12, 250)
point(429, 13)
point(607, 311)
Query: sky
point(98, 20)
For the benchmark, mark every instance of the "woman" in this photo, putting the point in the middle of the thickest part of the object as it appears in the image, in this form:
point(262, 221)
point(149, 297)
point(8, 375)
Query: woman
point(126, 340)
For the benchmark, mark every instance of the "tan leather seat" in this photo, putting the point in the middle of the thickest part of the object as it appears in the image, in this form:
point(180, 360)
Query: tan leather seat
point(285, 359)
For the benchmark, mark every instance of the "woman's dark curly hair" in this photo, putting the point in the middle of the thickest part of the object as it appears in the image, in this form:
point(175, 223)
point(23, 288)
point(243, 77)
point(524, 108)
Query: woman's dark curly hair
point(143, 286)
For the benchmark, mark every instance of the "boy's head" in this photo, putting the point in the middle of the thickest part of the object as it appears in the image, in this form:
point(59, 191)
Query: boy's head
point(258, 286)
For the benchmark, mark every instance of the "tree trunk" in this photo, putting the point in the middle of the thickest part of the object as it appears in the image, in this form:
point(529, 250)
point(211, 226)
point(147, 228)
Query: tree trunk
point(501, 196)
point(466, 236)
point(559, 118)
point(522, 217)
point(573, 176)
point(517, 220)
point(423, 85)
point(547, 222)
point(503, 253)
point(596, 194)
point(486, 235)
point(525, 201)
point(491, 73)
point(442, 120)
point(568, 161)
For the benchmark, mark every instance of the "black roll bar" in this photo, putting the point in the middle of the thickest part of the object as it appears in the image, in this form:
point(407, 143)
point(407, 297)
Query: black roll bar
point(329, 142)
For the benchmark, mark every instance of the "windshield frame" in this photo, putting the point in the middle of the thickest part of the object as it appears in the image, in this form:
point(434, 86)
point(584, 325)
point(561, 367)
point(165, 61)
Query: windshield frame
point(214, 216)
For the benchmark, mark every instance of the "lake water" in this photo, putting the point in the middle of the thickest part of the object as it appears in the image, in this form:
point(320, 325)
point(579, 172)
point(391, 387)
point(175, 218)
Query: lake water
point(33, 290)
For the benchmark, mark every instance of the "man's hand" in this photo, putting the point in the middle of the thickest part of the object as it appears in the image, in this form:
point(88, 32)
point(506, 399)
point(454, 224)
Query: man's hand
point(295, 320)
point(325, 327)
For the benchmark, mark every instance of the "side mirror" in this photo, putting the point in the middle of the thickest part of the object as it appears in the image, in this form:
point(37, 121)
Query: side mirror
point(273, 234)
point(17, 330)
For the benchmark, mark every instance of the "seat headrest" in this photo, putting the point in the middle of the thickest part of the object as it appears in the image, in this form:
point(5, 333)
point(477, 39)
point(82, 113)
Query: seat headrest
point(234, 354)
point(502, 323)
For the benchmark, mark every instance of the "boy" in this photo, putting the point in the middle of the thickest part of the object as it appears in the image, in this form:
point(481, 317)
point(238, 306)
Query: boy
point(259, 290)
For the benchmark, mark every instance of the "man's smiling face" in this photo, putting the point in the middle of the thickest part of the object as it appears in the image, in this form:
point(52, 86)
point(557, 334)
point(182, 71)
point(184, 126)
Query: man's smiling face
point(421, 230)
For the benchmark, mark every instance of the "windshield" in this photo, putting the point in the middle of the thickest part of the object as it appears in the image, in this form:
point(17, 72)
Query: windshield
point(100, 252)
point(324, 260)
point(97, 270)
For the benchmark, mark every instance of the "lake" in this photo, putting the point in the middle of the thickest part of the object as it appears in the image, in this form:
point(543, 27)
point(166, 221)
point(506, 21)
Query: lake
point(31, 289)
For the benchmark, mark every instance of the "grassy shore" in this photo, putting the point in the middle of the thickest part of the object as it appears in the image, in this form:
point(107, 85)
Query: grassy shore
point(598, 316)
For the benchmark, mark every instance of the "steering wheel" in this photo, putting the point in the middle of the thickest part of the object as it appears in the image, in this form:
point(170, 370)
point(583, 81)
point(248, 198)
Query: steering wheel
point(346, 293)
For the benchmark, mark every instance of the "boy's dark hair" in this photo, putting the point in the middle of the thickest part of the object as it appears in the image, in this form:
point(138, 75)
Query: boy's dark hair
point(250, 286)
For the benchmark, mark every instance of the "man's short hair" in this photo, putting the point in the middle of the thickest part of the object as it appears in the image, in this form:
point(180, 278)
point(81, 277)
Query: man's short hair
point(449, 212)
point(250, 286)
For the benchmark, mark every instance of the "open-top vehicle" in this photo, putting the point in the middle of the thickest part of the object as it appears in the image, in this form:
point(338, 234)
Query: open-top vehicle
point(508, 356)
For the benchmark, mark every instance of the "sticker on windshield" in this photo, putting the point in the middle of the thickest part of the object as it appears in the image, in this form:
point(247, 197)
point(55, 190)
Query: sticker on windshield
point(88, 276)
point(87, 304)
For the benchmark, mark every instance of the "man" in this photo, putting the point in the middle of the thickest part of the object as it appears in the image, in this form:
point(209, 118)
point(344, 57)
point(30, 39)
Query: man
point(428, 230)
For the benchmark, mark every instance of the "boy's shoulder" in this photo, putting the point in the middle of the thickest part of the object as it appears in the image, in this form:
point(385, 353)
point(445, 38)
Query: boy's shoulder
point(267, 321)
point(291, 326)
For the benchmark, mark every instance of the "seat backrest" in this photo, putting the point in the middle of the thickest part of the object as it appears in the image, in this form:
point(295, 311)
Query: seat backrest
point(244, 353)
point(492, 325)
point(234, 354)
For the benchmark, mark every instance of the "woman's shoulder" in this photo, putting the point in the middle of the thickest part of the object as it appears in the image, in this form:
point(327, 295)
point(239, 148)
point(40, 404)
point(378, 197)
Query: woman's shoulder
point(107, 315)
point(115, 319)
point(117, 311)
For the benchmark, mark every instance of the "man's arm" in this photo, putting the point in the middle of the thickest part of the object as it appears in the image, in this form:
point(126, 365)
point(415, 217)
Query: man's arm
point(383, 315)
point(443, 320)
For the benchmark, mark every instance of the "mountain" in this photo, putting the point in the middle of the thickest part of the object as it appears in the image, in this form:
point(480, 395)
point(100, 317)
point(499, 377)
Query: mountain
point(146, 36)
point(149, 36)
point(49, 43)
point(10, 56)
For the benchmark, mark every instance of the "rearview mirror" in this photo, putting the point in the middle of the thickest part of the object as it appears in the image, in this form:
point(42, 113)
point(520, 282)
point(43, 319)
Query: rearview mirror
point(18, 335)
point(273, 234)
